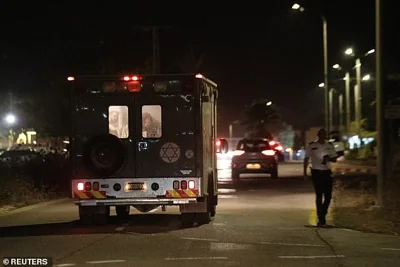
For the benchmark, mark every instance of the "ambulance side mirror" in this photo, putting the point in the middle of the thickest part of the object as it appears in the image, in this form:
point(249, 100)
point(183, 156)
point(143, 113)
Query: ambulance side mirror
point(222, 146)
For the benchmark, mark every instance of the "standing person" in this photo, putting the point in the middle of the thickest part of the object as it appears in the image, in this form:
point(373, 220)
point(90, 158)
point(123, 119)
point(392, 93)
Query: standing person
point(321, 153)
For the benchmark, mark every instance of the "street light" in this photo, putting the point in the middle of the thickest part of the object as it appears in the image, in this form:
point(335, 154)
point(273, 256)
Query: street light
point(269, 103)
point(10, 119)
point(366, 77)
point(321, 85)
point(336, 66)
point(325, 45)
point(358, 95)
point(349, 51)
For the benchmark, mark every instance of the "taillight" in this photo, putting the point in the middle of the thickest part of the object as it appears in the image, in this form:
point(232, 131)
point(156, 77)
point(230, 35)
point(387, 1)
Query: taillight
point(238, 152)
point(192, 185)
point(70, 78)
point(134, 86)
point(272, 143)
point(88, 186)
point(176, 185)
point(96, 186)
point(268, 152)
point(184, 185)
point(280, 148)
point(80, 186)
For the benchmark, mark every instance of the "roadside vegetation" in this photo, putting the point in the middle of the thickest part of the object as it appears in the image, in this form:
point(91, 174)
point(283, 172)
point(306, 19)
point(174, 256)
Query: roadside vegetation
point(354, 205)
point(40, 179)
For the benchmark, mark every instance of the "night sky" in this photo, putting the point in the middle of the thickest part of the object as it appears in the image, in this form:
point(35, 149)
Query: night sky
point(257, 50)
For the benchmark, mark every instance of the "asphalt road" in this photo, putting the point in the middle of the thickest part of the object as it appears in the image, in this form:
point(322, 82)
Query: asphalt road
point(261, 222)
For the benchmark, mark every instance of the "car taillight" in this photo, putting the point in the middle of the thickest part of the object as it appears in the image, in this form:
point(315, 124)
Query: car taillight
point(192, 185)
point(238, 152)
point(88, 186)
point(280, 148)
point(80, 186)
point(268, 152)
point(184, 185)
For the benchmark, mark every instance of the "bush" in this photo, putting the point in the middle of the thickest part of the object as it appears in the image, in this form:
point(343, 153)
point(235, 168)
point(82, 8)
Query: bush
point(34, 181)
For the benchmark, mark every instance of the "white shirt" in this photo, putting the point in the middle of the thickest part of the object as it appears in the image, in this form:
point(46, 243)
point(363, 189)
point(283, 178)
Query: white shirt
point(316, 152)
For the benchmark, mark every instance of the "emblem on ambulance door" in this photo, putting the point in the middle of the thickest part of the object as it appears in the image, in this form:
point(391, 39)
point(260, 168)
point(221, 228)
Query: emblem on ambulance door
point(189, 153)
point(170, 152)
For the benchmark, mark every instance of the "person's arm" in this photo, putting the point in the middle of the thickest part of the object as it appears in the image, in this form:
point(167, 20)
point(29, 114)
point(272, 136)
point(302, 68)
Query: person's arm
point(306, 160)
point(305, 165)
point(332, 153)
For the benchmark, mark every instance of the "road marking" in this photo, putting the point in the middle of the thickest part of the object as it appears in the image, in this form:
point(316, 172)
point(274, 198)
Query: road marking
point(65, 265)
point(311, 257)
point(392, 249)
point(110, 261)
point(290, 244)
point(226, 190)
point(200, 239)
point(219, 224)
point(227, 196)
point(119, 228)
point(229, 246)
point(196, 258)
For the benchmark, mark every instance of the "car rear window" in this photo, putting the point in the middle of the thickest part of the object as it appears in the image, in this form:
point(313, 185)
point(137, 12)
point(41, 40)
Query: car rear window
point(253, 145)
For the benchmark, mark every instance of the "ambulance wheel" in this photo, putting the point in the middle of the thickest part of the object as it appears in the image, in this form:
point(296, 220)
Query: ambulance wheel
point(85, 215)
point(188, 219)
point(123, 211)
point(94, 215)
point(213, 198)
point(213, 211)
point(203, 217)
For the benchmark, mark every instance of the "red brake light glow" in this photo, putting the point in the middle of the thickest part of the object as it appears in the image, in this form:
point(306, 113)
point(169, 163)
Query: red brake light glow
point(199, 76)
point(127, 78)
point(238, 152)
point(218, 143)
point(80, 186)
point(280, 148)
point(184, 185)
point(268, 152)
point(272, 143)
point(192, 185)
point(135, 78)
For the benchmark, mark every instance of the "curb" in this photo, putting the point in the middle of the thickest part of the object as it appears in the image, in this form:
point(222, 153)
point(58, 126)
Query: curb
point(34, 206)
point(354, 170)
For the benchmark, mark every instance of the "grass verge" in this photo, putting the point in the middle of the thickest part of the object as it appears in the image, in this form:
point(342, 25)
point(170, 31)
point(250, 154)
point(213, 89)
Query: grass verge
point(354, 205)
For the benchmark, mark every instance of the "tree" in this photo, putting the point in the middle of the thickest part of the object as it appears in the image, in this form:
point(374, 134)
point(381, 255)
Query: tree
point(287, 136)
point(262, 119)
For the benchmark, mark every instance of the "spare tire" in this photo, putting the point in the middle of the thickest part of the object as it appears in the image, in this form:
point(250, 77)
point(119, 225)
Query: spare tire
point(104, 155)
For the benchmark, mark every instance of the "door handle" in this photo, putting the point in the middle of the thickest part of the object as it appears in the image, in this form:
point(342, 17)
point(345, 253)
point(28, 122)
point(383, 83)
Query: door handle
point(142, 146)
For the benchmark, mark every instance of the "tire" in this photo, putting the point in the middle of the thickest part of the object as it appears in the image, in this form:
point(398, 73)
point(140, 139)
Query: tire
point(274, 173)
point(188, 219)
point(104, 155)
point(123, 211)
point(203, 217)
point(94, 215)
point(213, 199)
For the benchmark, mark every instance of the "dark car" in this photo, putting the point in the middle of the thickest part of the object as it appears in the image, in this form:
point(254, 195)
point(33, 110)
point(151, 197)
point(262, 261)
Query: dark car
point(254, 156)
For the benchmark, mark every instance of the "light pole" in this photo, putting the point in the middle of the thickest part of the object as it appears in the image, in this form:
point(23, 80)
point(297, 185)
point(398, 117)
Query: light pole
point(231, 131)
point(359, 79)
point(380, 126)
point(341, 113)
point(347, 96)
point(325, 44)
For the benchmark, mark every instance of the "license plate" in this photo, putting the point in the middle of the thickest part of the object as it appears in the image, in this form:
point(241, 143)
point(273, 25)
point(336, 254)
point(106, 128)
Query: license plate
point(253, 166)
point(134, 186)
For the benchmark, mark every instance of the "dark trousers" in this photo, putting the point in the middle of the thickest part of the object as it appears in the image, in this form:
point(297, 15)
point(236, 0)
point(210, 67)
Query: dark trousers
point(323, 184)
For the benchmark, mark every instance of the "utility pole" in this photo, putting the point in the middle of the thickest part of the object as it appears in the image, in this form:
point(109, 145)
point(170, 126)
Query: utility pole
point(358, 100)
point(357, 105)
point(331, 109)
point(341, 127)
point(156, 69)
point(156, 51)
point(325, 40)
point(347, 80)
point(380, 102)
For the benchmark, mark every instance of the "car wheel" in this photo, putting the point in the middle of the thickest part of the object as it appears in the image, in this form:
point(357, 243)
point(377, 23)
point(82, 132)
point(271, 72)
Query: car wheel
point(274, 172)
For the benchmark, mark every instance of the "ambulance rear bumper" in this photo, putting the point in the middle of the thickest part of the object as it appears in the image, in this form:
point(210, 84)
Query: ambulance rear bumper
point(141, 201)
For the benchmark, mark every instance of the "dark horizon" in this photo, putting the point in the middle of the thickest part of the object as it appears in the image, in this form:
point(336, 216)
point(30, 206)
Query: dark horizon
point(272, 53)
